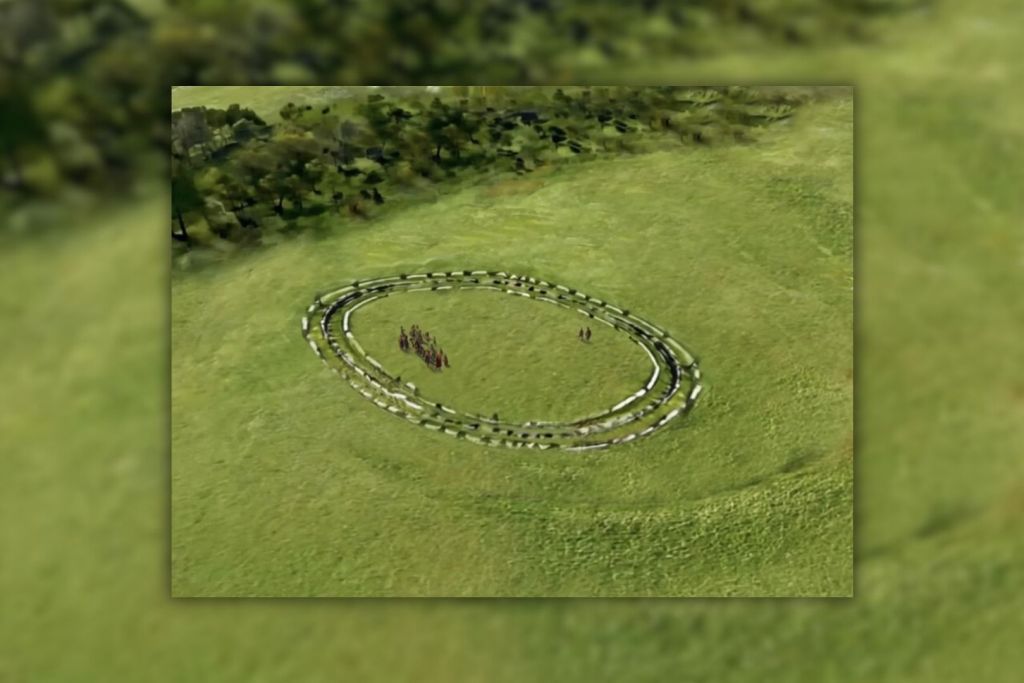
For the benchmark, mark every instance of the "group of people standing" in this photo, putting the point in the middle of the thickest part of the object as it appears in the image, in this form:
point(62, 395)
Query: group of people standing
point(584, 334)
point(425, 347)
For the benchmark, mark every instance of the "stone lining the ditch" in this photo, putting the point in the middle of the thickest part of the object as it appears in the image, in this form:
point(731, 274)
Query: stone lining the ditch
point(653, 409)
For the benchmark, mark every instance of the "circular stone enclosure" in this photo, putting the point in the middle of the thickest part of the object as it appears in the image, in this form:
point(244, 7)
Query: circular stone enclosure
point(670, 390)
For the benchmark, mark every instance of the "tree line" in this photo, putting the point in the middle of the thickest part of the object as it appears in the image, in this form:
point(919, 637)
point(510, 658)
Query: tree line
point(243, 179)
point(84, 84)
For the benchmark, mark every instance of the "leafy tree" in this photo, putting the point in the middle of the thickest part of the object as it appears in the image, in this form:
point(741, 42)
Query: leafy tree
point(236, 113)
point(185, 198)
point(293, 175)
point(21, 129)
point(190, 129)
point(244, 130)
point(335, 186)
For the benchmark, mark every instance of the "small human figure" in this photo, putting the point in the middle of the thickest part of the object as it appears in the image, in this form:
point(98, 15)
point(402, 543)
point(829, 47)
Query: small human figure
point(494, 417)
point(581, 334)
point(437, 361)
point(588, 334)
point(445, 359)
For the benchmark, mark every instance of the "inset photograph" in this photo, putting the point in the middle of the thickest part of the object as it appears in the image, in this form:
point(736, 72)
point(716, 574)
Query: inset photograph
point(490, 341)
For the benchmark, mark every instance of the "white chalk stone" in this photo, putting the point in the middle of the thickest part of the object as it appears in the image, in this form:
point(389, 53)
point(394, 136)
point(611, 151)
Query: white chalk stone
point(622, 404)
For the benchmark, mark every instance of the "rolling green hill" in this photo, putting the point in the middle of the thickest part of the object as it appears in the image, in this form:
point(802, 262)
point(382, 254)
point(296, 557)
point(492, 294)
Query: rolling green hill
point(939, 552)
point(288, 482)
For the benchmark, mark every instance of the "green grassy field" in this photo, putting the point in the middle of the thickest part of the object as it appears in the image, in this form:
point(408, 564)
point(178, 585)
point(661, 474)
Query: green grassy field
point(512, 356)
point(287, 482)
point(940, 556)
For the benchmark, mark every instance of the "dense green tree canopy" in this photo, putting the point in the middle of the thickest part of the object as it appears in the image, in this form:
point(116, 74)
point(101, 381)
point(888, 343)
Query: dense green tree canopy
point(100, 72)
point(314, 160)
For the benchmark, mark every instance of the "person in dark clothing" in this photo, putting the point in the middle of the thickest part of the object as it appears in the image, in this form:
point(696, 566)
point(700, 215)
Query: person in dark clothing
point(581, 334)
point(445, 359)
point(588, 334)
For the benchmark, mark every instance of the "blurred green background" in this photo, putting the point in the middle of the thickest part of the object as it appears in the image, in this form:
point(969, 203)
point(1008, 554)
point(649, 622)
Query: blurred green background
point(940, 408)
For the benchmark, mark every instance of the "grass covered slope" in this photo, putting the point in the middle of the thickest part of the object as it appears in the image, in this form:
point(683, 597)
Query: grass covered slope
point(287, 482)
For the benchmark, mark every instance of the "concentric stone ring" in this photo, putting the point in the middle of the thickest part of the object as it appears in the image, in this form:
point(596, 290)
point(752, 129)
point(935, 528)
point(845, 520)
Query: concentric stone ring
point(671, 389)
